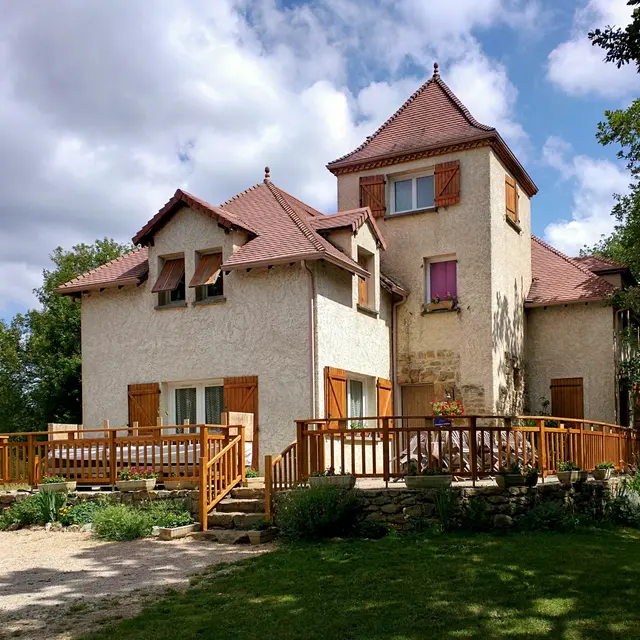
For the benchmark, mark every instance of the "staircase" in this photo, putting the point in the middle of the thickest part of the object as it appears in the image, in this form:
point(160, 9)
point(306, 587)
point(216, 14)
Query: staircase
point(236, 514)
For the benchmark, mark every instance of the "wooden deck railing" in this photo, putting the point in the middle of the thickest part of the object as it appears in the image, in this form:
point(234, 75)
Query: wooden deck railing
point(471, 447)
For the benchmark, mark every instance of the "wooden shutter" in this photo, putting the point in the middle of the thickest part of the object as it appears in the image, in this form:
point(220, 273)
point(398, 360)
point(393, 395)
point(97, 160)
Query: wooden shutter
point(144, 405)
point(170, 276)
point(511, 200)
point(335, 395)
point(372, 194)
point(416, 401)
point(241, 394)
point(567, 398)
point(362, 285)
point(207, 271)
point(447, 183)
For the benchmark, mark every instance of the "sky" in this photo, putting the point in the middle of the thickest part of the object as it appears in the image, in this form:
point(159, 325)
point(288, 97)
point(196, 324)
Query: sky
point(107, 107)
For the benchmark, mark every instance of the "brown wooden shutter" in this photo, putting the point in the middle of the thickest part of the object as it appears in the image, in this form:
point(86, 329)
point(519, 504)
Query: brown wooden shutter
point(362, 285)
point(207, 271)
point(372, 194)
point(335, 395)
point(241, 394)
point(416, 401)
point(511, 200)
point(385, 397)
point(170, 276)
point(567, 398)
point(144, 405)
point(447, 183)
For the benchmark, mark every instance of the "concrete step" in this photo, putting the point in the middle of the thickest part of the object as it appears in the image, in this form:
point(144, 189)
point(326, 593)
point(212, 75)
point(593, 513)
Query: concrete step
point(224, 536)
point(234, 520)
point(248, 505)
point(247, 492)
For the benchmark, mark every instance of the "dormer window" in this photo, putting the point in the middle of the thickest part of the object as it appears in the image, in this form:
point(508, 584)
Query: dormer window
point(170, 285)
point(207, 278)
point(412, 194)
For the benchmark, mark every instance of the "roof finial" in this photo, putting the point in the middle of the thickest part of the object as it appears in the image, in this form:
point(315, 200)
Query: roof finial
point(436, 73)
point(267, 175)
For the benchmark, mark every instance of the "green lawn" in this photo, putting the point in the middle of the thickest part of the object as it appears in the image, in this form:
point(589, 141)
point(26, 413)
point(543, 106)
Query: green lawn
point(569, 586)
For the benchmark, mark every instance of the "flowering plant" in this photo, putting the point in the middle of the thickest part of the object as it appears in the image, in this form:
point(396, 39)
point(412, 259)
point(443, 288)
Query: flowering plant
point(137, 473)
point(433, 470)
point(49, 478)
point(448, 296)
point(331, 471)
point(447, 408)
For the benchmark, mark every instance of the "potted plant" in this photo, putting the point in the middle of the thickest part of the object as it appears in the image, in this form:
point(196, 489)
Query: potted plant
point(136, 479)
point(603, 470)
point(447, 408)
point(517, 476)
point(177, 525)
point(446, 303)
point(55, 484)
point(569, 473)
point(432, 477)
point(253, 478)
point(262, 532)
point(178, 482)
point(330, 477)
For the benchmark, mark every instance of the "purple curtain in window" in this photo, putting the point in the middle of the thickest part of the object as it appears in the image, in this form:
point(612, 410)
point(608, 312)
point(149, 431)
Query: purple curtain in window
point(443, 279)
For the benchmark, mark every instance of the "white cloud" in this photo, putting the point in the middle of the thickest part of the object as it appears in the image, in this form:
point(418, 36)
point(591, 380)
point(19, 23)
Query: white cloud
point(594, 183)
point(106, 108)
point(578, 68)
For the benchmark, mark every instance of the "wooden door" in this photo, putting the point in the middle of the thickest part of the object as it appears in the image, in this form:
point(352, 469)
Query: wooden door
point(144, 405)
point(567, 398)
point(241, 394)
point(416, 401)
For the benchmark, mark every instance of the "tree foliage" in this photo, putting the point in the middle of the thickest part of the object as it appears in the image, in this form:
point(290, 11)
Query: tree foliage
point(622, 45)
point(40, 355)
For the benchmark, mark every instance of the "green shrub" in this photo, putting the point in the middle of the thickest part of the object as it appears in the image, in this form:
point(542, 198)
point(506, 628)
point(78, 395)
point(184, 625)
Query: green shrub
point(251, 473)
point(320, 512)
point(624, 510)
point(548, 516)
point(446, 501)
point(80, 514)
point(23, 513)
point(167, 514)
point(49, 504)
point(372, 529)
point(121, 522)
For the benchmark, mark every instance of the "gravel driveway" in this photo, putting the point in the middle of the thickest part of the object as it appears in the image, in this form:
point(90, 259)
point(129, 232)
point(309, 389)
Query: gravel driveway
point(62, 584)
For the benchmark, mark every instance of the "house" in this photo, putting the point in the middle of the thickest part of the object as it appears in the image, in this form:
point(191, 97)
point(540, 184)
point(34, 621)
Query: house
point(426, 284)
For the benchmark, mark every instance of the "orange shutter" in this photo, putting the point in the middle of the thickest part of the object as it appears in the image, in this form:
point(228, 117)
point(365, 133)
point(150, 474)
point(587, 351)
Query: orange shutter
point(362, 285)
point(241, 394)
point(567, 398)
point(335, 395)
point(144, 405)
point(170, 276)
point(372, 194)
point(207, 271)
point(511, 200)
point(385, 398)
point(447, 183)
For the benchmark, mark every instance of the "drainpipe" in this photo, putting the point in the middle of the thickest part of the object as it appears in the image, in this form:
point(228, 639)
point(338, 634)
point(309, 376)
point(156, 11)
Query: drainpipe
point(394, 352)
point(313, 338)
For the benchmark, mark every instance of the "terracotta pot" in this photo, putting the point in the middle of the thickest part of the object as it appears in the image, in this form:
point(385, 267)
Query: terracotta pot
point(602, 474)
point(136, 485)
point(345, 481)
point(511, 480)
point(57, 487)
point(177, 485)
point(571, 477)
point(427, 482)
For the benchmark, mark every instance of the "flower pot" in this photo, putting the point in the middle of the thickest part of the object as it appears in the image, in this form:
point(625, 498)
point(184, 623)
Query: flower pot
point(427, 482)
point(443, 305)
point(571, 477)
point(532, 480)
point(260, 537)
point(346, 481)
point(57, 487)
point(504, 481)
point(602, 474)
point(136, 485)
point(177, 485)
point(173, 533)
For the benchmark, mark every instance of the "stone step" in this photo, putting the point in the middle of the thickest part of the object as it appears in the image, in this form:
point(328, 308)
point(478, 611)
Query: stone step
point(248, 505)
point(231, 520)
point(223, 536)
point(247, 492)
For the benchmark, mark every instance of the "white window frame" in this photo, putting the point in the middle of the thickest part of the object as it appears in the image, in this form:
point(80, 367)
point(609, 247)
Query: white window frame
point(414, 193)
point(427, 273)
point(363, 381)
point(199, 386)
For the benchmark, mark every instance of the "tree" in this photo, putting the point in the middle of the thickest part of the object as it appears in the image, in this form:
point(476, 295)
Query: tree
point(622, 45)
point(13, 397)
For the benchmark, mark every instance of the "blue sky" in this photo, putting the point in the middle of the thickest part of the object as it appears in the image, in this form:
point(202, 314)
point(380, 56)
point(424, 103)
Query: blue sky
point(105, 108)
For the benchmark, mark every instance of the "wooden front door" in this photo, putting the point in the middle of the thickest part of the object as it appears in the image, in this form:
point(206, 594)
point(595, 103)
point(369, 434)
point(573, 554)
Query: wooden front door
point(241, 394)
point(144, 405)
point(416, 401)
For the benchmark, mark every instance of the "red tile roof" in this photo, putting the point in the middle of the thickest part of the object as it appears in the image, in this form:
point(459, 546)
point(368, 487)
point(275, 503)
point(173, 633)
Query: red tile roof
point(131, 268)
point(353, 220)
point(598, 264)
point(432, 119)
point(558, 279)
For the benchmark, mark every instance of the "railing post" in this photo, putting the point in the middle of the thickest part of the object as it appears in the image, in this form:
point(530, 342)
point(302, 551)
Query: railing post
point(30, 460)
point(303, 455)
point(581, 460)
point(203, 502)
point(542, 448)
point(37, 472)
point(473, 447)
point(111, 450)
point(243, 469)
point(268, 487)
point(385, 450)
point(4, 449)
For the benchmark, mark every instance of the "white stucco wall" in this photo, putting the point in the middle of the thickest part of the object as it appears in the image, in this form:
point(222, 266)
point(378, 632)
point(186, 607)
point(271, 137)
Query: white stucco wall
point(576, 341)
point(510, 283)
point(262, 329)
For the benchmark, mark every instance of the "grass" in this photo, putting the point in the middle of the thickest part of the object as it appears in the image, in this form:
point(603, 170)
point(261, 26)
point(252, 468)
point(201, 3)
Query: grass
point(571, 586)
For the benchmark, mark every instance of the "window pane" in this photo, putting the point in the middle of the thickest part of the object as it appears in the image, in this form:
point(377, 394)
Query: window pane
point(179, 292)
point(186, 406)
point(452, 284)
point(443, 279)
point(213, 404)
point(356, 401)
point(425, 192)
point(403, 195)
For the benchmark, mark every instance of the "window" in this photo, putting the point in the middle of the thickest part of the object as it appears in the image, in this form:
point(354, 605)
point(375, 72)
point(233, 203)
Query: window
point(170, 285)
point(356, 402)
point(199, 403)
point(412, 194)
point(207, 278)
point(441, 280)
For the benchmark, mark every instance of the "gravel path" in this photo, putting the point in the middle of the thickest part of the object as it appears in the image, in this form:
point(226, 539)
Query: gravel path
point(60, 584)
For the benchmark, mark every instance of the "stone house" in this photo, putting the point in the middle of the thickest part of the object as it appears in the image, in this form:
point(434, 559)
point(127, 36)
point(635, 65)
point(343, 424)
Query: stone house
point(426, 284)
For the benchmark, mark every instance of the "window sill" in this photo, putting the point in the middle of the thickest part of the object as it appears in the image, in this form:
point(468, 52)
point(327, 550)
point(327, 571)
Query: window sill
point(411, 213)
point(439, 307)
point(513, 224)
point(215, 300)
point(367, 311)
point(173, 305)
